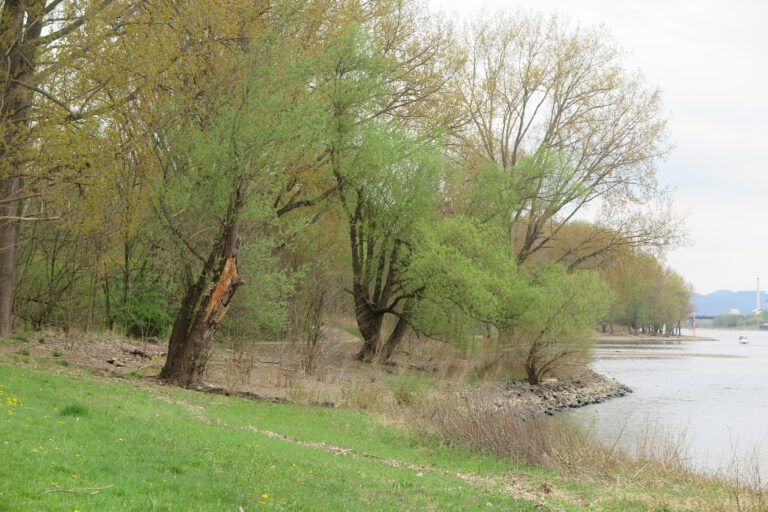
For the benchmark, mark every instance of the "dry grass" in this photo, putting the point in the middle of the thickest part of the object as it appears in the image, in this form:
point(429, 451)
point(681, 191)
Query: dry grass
point(657, 471)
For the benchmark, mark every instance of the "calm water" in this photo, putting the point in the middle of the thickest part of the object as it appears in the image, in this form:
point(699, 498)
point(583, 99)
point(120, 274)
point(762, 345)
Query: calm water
point(721, 402)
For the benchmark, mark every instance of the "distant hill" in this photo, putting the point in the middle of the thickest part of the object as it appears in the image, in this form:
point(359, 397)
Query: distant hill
point(722, 301)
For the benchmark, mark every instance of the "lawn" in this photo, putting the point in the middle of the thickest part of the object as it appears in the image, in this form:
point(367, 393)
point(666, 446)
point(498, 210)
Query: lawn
point(80, 443)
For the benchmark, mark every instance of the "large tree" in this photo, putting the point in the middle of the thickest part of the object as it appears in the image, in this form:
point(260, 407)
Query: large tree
point(557, 124)
point(266, 122)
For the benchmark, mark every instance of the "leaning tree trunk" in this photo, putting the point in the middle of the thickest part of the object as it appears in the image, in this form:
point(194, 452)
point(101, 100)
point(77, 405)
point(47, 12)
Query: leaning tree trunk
point(205, 305)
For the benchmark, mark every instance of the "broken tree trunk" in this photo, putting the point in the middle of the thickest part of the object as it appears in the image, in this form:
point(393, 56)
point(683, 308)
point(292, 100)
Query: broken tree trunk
point(192, 336)
point(205, 305)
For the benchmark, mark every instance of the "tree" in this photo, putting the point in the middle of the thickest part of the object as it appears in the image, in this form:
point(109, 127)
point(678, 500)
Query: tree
point(264, 123)
point(552, 108)
point(468, 278)
point(559, 319)
point(387, 179)
point(648, 297)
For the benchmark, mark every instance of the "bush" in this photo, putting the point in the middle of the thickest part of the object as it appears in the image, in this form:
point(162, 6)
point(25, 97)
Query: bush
point(146, 312)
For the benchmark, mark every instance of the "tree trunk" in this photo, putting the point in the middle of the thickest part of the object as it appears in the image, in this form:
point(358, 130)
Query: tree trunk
point(394, 339)
point(369, 324)
point(9, 239)
point(205, 305)
point(20, 28)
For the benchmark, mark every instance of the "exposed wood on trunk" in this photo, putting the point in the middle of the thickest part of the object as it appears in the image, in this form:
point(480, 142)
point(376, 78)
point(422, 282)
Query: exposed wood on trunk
point(206, 303)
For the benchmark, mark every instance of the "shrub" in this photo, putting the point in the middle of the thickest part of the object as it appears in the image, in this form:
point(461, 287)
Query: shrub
point(146, 313)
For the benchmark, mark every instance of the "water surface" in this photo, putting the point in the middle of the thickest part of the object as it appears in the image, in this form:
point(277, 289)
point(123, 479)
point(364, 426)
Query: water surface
point(720, 401)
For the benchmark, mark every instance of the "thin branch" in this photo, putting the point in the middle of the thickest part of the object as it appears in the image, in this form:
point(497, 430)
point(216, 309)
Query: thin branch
point(93, 490)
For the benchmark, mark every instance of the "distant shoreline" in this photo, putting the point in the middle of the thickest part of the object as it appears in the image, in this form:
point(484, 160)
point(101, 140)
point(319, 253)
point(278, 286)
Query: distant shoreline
point(647, 338)
point(658, 353)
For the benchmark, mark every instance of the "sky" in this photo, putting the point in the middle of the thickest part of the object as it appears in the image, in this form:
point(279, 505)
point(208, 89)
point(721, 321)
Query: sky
point(710, 60)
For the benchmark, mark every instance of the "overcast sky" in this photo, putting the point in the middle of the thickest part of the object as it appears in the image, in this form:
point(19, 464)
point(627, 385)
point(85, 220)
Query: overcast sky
point(710, 59)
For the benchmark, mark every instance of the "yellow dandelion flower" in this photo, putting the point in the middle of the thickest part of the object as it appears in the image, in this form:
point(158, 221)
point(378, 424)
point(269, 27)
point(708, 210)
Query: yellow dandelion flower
point(121, 439)
point(265, 495)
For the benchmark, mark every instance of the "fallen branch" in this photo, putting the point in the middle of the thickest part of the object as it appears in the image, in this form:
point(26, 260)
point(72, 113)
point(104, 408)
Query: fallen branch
point(94, 490)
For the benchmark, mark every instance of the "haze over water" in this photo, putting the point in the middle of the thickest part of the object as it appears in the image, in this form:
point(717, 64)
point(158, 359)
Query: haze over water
point(720, 402)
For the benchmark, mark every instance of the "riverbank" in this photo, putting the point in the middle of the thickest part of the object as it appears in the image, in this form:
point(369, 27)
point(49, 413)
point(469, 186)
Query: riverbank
point(70, 446)
point(656, 353)
point(549, 397)
point(107, 423)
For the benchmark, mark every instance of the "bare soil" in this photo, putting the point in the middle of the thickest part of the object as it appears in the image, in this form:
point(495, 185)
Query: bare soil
point(280, 371)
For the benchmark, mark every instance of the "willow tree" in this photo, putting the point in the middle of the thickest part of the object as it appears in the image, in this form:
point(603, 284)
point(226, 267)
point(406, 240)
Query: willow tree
point(387, 179)
point(552, 107)
point(559, 319)
point(265, 121)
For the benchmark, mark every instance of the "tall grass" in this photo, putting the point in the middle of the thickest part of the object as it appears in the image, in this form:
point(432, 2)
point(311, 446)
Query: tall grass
point(659, 459)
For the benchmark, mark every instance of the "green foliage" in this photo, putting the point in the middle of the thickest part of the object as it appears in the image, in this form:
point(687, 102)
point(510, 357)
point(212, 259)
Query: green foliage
point(19, 336)
point(467, 274)
point(541, 183)
point(57, 353)
point(560, 315)
point(726, 321)
point(261, 311)
point(647, 296)
point(146, 312)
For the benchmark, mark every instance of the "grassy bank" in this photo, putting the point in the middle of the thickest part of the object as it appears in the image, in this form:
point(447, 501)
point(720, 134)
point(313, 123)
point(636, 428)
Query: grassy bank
point(80, 443)
point(70, 441)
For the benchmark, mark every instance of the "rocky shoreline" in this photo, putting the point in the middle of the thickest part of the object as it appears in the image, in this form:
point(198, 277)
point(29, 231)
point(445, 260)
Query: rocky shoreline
point(550, 396)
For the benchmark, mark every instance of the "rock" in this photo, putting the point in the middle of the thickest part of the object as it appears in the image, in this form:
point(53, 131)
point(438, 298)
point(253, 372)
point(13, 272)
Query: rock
point(116, 362)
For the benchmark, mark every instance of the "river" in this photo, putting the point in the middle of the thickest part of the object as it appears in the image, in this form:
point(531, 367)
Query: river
point(719, 401)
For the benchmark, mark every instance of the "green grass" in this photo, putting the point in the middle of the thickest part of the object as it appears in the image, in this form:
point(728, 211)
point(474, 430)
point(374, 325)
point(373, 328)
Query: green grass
point(138, 447)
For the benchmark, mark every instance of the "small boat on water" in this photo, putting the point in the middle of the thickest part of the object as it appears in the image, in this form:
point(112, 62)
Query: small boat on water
point(743, 340)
